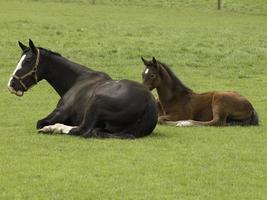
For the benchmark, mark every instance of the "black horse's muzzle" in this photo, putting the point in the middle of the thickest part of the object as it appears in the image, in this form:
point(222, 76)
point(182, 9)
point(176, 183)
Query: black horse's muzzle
point(18, 86)
point(15, 87)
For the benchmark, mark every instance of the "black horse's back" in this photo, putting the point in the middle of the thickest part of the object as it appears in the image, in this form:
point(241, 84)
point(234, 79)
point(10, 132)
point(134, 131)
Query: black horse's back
point(138, 114)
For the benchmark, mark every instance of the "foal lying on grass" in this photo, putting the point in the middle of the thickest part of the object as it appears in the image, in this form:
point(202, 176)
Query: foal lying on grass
point(180, 106)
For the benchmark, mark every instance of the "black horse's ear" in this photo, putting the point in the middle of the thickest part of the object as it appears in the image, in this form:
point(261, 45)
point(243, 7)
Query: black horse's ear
point(22, 46)
point(32, 46)
point(154, 61)
point(144, 61)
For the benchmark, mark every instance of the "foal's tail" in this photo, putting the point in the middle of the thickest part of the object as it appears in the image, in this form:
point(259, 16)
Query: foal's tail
point(253, 120)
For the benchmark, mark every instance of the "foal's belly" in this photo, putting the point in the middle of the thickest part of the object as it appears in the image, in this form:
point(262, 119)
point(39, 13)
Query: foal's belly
point(202, 107)
point(203, 115)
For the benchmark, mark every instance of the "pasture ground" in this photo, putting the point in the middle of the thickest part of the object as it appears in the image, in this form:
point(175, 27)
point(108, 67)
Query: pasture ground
point(207, 49)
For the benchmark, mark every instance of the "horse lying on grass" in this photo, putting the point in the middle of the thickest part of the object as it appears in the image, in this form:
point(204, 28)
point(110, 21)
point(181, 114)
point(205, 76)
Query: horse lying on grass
point(91, 104)
point(180, 106)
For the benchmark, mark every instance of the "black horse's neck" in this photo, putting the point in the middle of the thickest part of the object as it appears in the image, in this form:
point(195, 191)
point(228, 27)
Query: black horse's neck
point(170, 87)
point(61, 73)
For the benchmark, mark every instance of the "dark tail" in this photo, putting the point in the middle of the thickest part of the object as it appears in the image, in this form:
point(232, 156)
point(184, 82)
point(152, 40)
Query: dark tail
point(253, 120)
point(142, 127)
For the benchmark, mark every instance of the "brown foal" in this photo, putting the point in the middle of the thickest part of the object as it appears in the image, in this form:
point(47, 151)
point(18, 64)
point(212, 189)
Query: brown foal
point(180, 106)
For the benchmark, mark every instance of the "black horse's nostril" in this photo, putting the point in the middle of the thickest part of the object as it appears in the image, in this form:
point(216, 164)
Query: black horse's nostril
point(12, 83)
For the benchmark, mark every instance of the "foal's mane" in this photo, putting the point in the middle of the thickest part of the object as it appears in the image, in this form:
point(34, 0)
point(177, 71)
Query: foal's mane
point(174, 78)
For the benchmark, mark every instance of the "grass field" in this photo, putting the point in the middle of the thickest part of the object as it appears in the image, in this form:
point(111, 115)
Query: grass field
point(207, 49)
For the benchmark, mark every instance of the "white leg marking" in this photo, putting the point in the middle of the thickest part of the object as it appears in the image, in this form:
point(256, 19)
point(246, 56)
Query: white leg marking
point(184, 123)
point(56, 128)
point(147, 70)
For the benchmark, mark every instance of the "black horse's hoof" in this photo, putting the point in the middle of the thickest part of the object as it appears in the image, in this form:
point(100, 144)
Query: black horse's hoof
point(40, 124)
point(76, 131)
point(89, 134)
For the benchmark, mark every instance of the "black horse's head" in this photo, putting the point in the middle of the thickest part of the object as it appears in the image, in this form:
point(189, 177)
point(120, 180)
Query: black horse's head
point(25, 75)
point(151, 75)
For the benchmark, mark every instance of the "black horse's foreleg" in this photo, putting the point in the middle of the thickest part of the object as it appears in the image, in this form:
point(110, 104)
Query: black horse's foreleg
point(56, 116)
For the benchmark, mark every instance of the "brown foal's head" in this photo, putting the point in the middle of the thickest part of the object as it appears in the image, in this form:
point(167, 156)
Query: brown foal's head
point(151, 73)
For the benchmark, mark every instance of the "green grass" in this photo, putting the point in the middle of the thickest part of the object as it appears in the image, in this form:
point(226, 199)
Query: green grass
point(208, 50)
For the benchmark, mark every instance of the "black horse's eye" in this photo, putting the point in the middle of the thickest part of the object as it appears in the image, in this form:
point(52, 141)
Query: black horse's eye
point(26, 60)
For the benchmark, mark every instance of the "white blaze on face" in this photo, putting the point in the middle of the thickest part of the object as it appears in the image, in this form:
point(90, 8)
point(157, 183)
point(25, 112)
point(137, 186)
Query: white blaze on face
point(19, 66)
point(147, 70)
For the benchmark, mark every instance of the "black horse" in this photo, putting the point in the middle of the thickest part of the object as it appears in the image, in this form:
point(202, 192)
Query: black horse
point(91, 104)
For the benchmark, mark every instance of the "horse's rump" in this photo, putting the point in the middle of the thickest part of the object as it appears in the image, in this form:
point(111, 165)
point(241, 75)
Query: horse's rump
point(143, 126)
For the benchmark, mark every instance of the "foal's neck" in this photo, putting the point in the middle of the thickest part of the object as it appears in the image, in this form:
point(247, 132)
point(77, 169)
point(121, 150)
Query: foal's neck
point(171, 88)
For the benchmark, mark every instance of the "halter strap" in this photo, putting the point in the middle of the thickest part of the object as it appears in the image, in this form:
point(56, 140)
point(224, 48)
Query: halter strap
point(32, 71)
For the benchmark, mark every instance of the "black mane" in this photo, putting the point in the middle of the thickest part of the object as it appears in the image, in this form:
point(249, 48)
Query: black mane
point(174, 77)
point(50, 52)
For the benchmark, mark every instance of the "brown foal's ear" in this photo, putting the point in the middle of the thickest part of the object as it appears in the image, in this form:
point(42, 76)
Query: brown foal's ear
point(22, 46)
point(144, 61)
point(155, 63)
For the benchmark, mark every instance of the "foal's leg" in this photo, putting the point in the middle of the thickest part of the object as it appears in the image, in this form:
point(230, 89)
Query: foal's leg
point(219, 116)
point(219, 119)
point(160, 109)
point(170, 120)
point(216, 121)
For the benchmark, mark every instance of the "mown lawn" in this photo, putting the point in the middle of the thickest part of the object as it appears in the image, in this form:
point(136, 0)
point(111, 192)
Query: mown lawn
point(207, 49)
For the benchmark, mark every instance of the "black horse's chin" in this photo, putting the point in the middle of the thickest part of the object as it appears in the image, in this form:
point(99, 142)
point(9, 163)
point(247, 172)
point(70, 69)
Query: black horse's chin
point(18, 93)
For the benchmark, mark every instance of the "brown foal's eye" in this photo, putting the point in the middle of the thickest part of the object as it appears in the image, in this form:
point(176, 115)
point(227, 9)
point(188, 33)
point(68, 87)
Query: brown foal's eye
point(152, 76)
